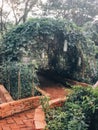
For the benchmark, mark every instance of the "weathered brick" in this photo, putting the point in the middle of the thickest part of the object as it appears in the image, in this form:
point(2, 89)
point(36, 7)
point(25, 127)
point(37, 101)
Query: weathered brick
point(28, 122)
point(14, 126)
point(40, 125)
point(0, 128)
point(10, 120)
point(5, 96)
point(39, 115)
point(11, 108)
point(6, 128)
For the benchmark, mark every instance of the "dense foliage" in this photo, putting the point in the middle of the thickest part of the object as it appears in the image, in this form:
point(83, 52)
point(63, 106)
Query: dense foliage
point(91, 30)
point(20, 79)
point(80, 112)
point(54, 44)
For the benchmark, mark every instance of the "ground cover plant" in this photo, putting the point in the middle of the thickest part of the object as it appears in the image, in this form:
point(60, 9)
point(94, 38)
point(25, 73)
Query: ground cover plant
point(79, 112)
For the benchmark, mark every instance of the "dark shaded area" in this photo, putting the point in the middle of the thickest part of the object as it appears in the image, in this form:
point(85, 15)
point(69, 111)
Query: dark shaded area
point(54, 77)
point(94, 120)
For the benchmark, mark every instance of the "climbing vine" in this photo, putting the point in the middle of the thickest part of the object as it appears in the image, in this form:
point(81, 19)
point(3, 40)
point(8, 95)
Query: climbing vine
point(54, 44)
point(20, 79)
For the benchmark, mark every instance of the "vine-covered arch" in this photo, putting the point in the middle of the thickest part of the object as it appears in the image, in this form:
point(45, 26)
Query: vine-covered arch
point(59, 44)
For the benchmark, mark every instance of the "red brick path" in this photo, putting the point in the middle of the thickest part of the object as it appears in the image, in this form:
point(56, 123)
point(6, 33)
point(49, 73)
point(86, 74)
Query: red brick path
point(21, 121)
point(56, 90)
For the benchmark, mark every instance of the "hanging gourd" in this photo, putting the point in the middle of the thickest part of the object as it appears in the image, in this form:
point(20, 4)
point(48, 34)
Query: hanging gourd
point(79, 61)
point(43, 55)
point(65, 46)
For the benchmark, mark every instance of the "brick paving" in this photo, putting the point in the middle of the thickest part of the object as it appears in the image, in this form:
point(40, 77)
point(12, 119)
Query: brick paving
point(1, 101)
point(21, 121)
point(56, 91)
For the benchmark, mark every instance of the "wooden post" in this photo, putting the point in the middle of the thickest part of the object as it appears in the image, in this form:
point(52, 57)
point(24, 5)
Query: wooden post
point(9, 84)
point(19, 85)
point(33, 87)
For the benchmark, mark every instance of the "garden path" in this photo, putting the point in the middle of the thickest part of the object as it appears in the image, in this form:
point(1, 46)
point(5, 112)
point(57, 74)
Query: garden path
point(24, 120)
point(55, 89)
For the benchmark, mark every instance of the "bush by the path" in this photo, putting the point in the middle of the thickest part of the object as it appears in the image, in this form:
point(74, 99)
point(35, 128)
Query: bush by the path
point(80, 112)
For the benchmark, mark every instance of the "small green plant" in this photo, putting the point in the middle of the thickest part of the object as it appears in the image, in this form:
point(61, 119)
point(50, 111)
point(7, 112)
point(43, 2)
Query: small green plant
point(44, 101)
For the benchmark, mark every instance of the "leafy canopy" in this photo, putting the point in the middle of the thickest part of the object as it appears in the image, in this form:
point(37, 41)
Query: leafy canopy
point(44, 39)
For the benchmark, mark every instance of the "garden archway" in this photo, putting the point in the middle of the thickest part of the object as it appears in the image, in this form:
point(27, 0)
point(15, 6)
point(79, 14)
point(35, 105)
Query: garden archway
point(54, 44)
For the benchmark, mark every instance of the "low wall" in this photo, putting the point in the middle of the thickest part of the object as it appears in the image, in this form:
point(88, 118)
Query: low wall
point(73, 82)
point(39, 116)
point(4, 95)
point(10, 108)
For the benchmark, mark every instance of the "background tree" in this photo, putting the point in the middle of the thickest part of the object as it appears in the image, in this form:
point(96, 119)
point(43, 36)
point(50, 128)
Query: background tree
point(3, 18)
point(14, 12)
point(21, 9)
point(78, 11)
